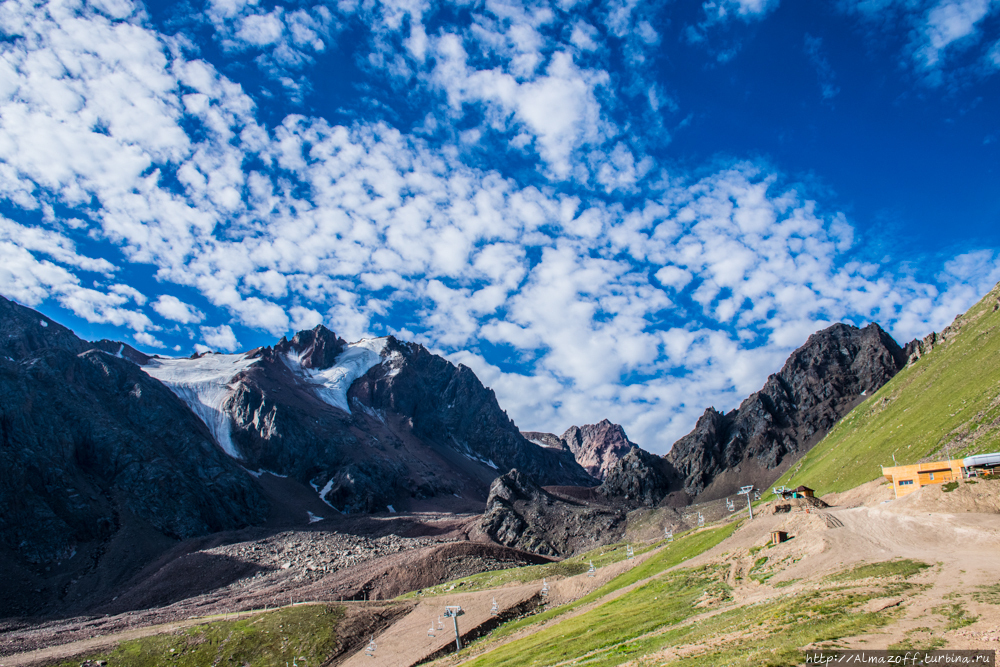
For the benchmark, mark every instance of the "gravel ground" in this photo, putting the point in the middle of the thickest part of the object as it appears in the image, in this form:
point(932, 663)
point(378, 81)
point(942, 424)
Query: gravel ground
point(258, 572)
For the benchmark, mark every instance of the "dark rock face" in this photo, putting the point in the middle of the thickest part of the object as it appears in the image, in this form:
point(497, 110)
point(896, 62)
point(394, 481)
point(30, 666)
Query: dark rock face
point(639, 478)
point(89, 441)
point(418, 426)
point(96, 451)
point(317, 348)
point(596, 447)
point(448, 406)
point(521, 514)
point(819, 383)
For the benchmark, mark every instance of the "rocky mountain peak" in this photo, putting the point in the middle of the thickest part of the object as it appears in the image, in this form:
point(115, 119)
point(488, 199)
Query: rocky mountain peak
point(596, 447)
point(316, 348)
point(94, 445)
point(819, 383)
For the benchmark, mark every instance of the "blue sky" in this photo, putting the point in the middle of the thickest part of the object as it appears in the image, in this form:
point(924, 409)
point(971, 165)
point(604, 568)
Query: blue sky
point(617, 210)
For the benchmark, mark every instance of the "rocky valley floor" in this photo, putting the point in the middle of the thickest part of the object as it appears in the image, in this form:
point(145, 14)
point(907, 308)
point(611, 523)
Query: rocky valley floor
point(866, 572)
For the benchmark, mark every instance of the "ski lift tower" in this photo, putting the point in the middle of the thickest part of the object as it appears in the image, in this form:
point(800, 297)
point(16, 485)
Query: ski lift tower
point(453, 612)
point(746, 491)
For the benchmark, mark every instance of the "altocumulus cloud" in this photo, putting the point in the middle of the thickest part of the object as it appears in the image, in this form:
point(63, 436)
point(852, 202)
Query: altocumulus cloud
point(594, 285)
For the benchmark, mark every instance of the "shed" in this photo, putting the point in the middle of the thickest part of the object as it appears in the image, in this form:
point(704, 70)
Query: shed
point(778, 536)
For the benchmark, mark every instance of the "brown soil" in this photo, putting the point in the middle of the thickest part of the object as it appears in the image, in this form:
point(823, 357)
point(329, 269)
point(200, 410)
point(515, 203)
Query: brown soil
point(257, 569)
point(958, 533)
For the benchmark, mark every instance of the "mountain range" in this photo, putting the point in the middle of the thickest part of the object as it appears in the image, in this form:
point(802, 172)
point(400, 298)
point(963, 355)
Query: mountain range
point(102, 442)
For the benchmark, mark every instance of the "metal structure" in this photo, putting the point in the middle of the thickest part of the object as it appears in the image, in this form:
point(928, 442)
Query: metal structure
point(669, 534)
point(370, 650)
point(701, 520)
point(495, 609)
point(453, 612)
point(729, 505)
point(592, 569)
point(430, 630)
point(778, 490)
point(545, 589)
point(440, 624)
point(629, 553)
point(746, 491)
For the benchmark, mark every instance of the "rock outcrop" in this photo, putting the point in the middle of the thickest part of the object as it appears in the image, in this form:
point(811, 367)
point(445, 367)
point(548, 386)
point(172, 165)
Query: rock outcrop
point(91, 442)
point(639, 478)
point(520, 514)
point(596, 447)
point(819, 383)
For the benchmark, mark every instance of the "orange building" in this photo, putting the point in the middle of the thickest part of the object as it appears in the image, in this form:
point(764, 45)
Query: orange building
point(907, 479)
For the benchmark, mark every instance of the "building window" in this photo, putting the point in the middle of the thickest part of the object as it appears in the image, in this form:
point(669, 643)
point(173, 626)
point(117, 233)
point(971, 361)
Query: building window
point(932, 477)
point(905, 482)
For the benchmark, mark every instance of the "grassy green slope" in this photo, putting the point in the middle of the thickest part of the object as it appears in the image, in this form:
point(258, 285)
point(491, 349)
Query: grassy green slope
point(620, 620)
point(945, 405)
point(305, 634)
point(601, 556)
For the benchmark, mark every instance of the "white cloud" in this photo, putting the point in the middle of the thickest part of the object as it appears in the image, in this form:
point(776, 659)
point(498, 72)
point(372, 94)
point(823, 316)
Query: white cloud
point(130, 293)
point(304, 318)
point(574, 307)
point(220, 338)
point(260, 29)
point(939, 28)
point(57, 246)
point(824, 71)
point(176, 310)
point(98, 306)
point(720, 10)
point(947, 23)
point(147, 339)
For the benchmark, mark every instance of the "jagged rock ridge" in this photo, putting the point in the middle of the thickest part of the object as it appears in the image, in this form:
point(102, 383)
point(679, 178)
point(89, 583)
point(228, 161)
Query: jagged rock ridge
point(91, 441)
point(819, 383)
point(417, 427)
point(596, 447)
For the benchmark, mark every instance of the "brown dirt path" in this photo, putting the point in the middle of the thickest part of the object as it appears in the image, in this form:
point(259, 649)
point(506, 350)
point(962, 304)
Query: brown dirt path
point(406, 642)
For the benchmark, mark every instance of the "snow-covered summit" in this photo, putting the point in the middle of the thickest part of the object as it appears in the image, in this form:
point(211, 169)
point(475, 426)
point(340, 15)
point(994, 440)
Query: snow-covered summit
point(331, 384)
point(204, 382)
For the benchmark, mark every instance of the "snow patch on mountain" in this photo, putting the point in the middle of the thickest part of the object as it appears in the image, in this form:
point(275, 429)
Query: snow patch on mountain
point(203, 384)
point(331, 384)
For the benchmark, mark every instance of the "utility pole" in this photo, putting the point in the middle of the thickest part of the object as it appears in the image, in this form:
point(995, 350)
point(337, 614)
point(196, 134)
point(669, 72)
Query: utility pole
point(745, 491)
point(454, 612)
